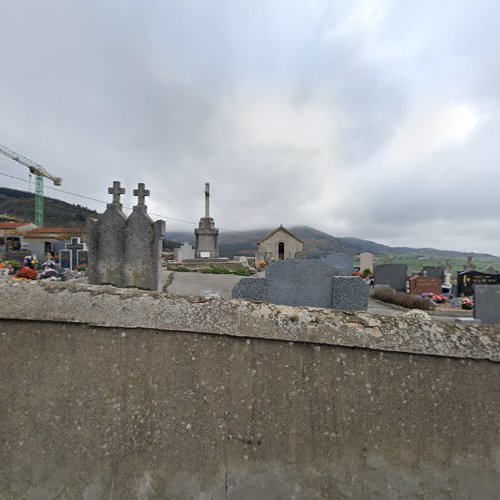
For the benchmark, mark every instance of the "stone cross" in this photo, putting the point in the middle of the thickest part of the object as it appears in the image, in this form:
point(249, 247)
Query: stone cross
point(207, 200)
point(141, 192)
point(116, 191)
point(74, 246)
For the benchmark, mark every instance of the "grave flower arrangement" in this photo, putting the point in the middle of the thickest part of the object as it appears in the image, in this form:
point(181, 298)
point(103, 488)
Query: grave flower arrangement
point(27, 273)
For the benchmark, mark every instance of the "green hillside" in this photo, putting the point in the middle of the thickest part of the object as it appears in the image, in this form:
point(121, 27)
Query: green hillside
point(21, 205)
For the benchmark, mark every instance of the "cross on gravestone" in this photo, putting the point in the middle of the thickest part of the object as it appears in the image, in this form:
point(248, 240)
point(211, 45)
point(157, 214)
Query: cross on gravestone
point(116, 191)
point(74, 246)
point(141, 192)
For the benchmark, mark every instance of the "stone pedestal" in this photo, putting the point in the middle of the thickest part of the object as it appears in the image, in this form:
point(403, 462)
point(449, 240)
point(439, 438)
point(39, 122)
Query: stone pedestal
point(206, 239)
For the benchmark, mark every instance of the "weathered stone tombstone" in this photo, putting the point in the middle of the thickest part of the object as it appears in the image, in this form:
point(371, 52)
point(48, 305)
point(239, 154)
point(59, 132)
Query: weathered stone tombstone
point(143, 242)
point(125, 252)
point(394, 275)
point(343, 264)
point(487, 303)
point(66, 259)
point(106, 242)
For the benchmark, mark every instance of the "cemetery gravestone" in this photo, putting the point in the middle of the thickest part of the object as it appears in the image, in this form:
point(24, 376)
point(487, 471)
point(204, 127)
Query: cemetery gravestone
point(251, 289)
point(106, 242)
point(74, 246)
point(185, 251)
point(18, 255)
point(300, 283)
point(82, 258)
point(424, 284)
point(143, 244)
point(393, 275)
point(487, 303)
point(66, 259)
point(343, 264)
point(433, 272)
point(350, 293)
point(366, 261)
point(466, 280)
point(125, 252)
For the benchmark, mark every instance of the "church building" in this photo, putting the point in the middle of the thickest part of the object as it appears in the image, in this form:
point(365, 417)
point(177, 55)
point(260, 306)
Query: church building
point(281, 244)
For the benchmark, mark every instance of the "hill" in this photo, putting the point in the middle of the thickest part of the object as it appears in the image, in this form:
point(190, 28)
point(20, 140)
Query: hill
point(57, 213)
point(377, 248)
point(316, 243)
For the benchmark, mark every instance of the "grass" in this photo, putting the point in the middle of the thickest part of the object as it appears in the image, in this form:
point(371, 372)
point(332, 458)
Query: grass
point(216, 270)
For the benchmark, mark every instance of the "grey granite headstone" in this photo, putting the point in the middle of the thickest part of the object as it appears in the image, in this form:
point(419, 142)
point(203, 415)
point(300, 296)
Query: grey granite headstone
point(251, 289)
point(487, 303)
point(300, 283)
point(343, 264)
point(393, 275)
point(106, 242)
point(143, 242)
point(350, 293)
point(66, 259)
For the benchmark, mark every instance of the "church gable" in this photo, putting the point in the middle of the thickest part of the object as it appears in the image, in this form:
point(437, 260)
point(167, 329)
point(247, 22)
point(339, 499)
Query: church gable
point(276, 233)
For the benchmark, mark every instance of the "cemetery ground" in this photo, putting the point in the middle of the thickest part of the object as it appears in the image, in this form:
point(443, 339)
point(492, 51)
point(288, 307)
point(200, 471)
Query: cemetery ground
point(210, 285)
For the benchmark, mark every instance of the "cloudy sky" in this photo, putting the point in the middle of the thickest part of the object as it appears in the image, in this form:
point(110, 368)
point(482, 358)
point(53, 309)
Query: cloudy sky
point(372, 118)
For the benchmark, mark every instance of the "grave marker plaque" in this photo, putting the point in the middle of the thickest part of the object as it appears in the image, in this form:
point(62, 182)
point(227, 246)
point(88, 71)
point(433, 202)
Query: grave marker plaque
point(82, 258)
point(467, 279)
point(66, 259)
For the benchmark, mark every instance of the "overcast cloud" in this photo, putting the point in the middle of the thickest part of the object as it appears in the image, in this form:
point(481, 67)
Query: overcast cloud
point(377, 119)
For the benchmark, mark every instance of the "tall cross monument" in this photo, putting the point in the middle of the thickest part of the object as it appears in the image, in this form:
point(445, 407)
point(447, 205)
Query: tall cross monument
point(206, 232)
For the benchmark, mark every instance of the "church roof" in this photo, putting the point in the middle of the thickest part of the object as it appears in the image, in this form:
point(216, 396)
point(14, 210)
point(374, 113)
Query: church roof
point(281, 228)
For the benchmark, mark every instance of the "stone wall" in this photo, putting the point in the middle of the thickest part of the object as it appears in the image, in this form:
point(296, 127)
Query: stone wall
point(270, 245)
point(110, 393)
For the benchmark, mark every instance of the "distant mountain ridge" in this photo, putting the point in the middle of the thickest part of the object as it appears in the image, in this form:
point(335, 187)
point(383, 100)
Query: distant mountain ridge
point(317, 244)
point(377, 248)
point(20, 204)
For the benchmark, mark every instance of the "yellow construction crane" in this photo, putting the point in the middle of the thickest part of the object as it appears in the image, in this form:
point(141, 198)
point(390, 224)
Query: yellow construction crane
point(39, 173)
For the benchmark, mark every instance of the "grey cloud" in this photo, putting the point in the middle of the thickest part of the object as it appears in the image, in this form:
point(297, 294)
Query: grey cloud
point(156, 92)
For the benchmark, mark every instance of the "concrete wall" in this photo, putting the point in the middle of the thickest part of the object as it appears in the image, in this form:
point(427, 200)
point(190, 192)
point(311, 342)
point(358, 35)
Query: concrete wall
point(88, 411)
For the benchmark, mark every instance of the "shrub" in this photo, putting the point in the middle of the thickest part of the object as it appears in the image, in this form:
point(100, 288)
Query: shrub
point(216, 270)
point(182, 269)
point(242, 272)
point(402, 299)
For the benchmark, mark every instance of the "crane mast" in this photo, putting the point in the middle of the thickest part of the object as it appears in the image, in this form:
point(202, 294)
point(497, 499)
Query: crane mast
point(39, 172)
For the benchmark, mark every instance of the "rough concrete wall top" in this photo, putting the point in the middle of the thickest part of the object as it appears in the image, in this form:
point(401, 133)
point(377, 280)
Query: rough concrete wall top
point(132, 308)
